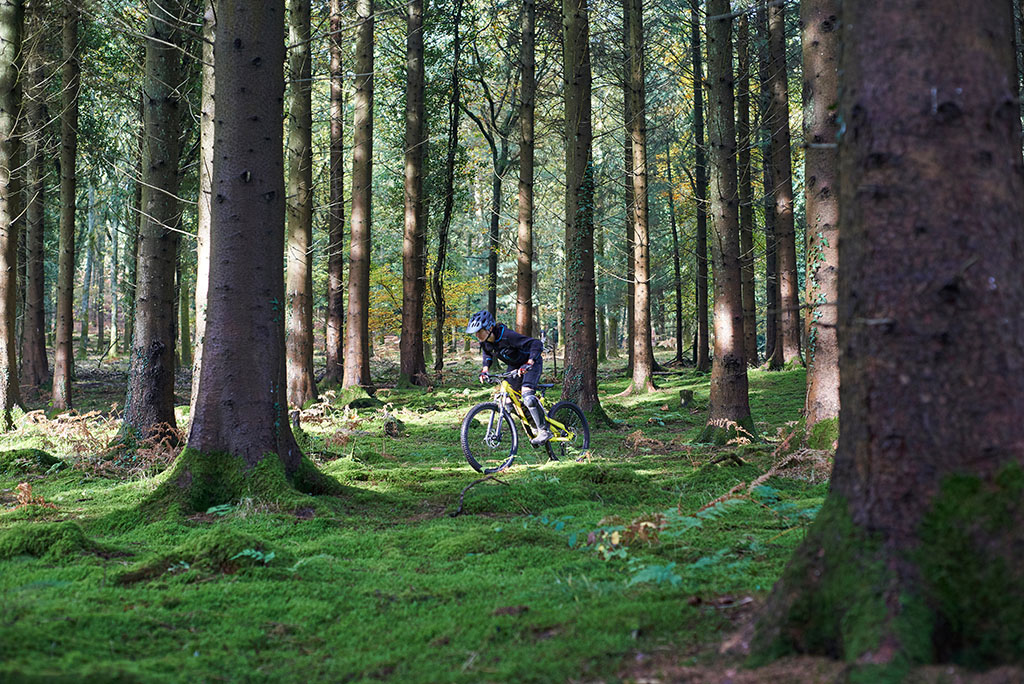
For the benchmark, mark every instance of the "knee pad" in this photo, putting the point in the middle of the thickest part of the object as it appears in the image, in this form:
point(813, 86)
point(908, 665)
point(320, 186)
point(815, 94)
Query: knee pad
point(529, 398)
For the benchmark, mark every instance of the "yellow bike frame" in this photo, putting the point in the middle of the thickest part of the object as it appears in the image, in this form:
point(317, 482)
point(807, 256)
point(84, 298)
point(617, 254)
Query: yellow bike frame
point(560, 434)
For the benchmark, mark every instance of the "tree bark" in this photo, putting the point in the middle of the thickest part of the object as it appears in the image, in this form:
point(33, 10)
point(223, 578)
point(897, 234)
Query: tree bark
point(728, 405)
point(299, 292)
point(699, 192)
point(782, 175)
point(35, 367)
point(71, 77)
point(240, 412)
point(149, 406)
point(357, 351)
point(413, 367)
point(820, 24)
point(676, 266)
point(335, 338)
point(746, 190)
point(771, 318)
point(11, 27)
point(914, 557)
point(580, 381)
point(524, 242)
point(643, 353)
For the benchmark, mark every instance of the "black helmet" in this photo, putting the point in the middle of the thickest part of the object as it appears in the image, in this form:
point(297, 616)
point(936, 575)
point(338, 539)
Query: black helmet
point(480, 320)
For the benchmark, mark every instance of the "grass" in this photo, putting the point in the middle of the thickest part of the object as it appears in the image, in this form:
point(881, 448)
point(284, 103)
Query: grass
point(559, 572)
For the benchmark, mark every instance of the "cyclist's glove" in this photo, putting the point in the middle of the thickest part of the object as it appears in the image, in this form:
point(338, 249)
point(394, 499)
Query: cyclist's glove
point(483, 377)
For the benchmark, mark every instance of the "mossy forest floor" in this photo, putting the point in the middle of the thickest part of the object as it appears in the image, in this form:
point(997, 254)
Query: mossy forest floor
point(638, 563)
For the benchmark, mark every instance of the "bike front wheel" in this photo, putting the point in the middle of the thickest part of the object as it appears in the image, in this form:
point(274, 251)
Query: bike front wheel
point(571, 437)
point(489, 438)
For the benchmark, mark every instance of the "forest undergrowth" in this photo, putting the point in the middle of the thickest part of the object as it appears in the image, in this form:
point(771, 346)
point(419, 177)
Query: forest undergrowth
point(640, 562)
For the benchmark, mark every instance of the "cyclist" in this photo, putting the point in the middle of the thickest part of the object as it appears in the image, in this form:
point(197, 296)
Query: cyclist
point(521, 353)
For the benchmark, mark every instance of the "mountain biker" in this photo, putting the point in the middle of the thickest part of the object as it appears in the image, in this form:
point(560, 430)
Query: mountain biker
point(522, 354)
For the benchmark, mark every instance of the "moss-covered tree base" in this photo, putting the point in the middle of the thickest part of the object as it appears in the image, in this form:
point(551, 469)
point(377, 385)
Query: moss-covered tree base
point(23, 461)
point(728, 432)
point(357, 398)
point(198, 481)
point(952, 596)
point(823, 435)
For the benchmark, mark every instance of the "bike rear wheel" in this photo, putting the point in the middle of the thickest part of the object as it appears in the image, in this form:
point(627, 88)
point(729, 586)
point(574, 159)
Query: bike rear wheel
point(576, 430)
point(489, 438)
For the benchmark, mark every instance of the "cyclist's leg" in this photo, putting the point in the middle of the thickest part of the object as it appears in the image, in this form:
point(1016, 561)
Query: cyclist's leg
point(532, 403)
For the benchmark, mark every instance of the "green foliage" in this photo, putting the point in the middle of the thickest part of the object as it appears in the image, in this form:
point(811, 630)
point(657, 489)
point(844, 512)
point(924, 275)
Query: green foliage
point(24, 461)
point(49, 541)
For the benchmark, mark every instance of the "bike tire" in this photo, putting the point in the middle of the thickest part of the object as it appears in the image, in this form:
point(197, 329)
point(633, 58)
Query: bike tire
point(570, 415)
point(485, 434)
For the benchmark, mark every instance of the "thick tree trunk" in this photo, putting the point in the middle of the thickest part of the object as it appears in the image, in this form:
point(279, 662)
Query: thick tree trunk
point(335, 338)
point(580, 382)
point(630, 221)
point(819, 19)
point(240, 433)
point(746, 190)
point(149, 406)
point(11, 25)
point(782, 175)
point(203, 209)
point(35, 367)
point(703, 361)
point(71, 77)
point(414, 246)
point(357, 351)
point(299, 287)
point(524, 242)
point(643, 353)
point(915, 556)
point(729, 407)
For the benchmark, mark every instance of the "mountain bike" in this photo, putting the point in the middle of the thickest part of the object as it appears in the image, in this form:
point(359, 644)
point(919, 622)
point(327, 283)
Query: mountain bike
point(490, 440)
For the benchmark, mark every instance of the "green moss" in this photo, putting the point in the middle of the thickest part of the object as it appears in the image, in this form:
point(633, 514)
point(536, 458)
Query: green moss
point(824, 434)
point(50, 541)
point(220, 549)
point(22, 461)
point(356, 397)
point(720, 435)
point(970, 560)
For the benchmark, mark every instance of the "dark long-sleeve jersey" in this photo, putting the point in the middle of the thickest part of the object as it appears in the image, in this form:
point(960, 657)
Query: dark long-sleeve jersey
point(509, 346)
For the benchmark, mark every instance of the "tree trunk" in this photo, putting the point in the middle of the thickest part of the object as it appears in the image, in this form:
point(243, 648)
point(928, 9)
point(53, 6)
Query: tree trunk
point(782, 175)
point(71, 76)
point(11, 25)
point(203, 209)
point(915, 556)
point(335, 338)
point(299, 293)
point(149, 406)
point(357, 352)
point(528, 95)
point(819, 19)
point(580, 381)
point(184, 324)
point(101, 287)
point(700, 172)
point(771, 318)
point(746, 190)
point(35, 367)
point(241, 437)
point(437, 282)
point(676, 267)
point(414, 247)
point(728, 405)
point(643, 353)
point(90, 252)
